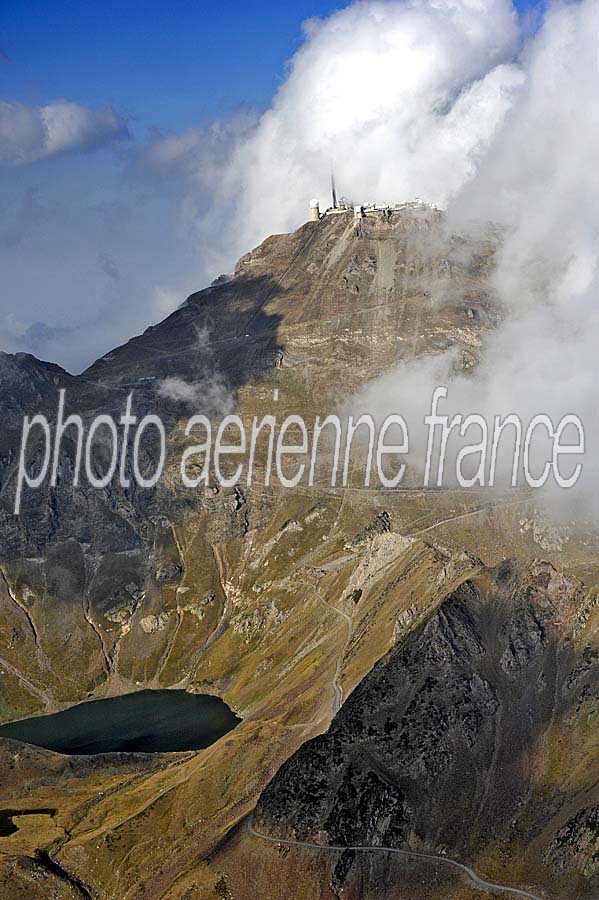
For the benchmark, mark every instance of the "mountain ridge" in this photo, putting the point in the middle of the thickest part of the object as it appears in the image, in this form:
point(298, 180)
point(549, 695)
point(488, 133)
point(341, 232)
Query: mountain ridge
point(281, 602)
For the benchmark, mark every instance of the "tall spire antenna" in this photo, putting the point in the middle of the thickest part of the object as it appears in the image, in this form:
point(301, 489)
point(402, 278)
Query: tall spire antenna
point(333, 191)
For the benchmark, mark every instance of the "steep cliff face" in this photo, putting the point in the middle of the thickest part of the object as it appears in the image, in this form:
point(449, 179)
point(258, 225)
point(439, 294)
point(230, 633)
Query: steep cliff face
point(282, 601)
point(454, 741)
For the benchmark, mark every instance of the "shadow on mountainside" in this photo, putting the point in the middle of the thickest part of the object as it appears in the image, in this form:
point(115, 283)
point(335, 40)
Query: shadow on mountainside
point(195, 361)
point(441, 748)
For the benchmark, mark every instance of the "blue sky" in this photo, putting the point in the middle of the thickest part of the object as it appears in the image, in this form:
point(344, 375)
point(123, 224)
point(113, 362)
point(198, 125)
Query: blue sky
point(167, 65)
point(164, 64)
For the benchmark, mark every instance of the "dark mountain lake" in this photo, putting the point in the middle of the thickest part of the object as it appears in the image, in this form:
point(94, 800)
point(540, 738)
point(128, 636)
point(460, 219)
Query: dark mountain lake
point(8, 827)
point(143, 722)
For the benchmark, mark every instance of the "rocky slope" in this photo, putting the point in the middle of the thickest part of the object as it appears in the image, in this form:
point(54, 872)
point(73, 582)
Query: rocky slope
point(314, 314)
point(283, 601)
point(471, 737)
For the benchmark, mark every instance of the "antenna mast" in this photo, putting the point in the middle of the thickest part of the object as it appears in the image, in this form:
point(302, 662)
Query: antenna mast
point(333, 191)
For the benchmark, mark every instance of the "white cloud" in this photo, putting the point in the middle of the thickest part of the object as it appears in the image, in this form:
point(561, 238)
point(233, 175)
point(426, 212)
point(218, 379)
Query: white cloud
point(402, 98)
point(31, 133)
point(443, 99)
point(209, 395)
point(11, 332)
point(539, 179)
point(198, 153)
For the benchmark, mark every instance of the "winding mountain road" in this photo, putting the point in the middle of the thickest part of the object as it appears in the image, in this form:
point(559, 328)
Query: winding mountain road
point(478, 882)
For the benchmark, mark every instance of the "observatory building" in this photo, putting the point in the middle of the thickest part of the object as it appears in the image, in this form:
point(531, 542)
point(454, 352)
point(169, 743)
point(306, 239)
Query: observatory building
point(362, 210)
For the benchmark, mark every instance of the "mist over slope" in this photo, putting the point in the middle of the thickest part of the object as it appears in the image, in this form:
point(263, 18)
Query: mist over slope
point(456, 103)
point(533, 175)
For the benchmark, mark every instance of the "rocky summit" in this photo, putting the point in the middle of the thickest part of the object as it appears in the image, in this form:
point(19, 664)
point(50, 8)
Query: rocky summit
point(414, 670)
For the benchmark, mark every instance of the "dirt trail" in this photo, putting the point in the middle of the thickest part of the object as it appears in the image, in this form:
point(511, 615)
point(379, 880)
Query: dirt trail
point(480, 883)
